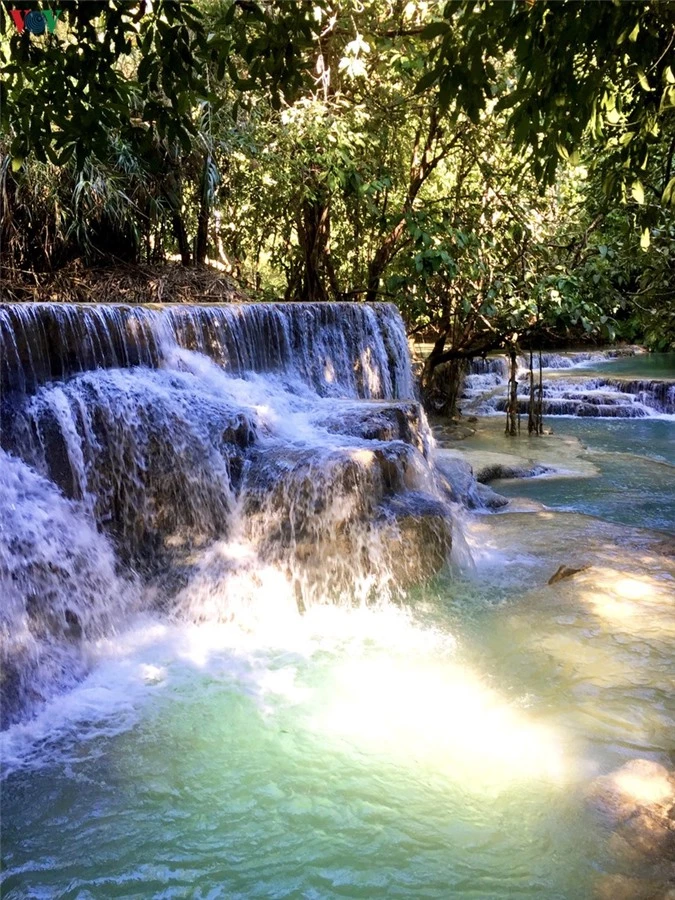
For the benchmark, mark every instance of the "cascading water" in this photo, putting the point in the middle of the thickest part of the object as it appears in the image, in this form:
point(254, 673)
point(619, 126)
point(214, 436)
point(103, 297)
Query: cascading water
point(338, 349)
point(58, 582)
point(215, 456)
point(566, 393)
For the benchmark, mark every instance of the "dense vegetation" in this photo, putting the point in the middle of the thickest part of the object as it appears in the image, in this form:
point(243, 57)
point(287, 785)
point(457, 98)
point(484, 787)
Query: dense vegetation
point(505, 172)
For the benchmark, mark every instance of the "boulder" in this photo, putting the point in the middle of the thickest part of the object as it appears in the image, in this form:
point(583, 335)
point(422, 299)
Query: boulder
point(461, 486)
point(401, 420)
point(637, 801)
point(623, 887)
point(638, 787)
point(495, 471)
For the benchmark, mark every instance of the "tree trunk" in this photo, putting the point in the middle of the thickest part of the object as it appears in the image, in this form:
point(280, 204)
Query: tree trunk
point(540, 398)
point(442, 390)
point(317, 271)
point(181, 238)
point(512, 415)
point(202, 239)
point(441, 381)
point(532, 427)
point(535, 417)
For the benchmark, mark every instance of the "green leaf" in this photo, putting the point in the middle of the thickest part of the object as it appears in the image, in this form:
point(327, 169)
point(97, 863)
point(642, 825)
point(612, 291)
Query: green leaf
point(638, 192)
point(668, 196)
point(642, 78)
point(426, 81)
point(434, 29)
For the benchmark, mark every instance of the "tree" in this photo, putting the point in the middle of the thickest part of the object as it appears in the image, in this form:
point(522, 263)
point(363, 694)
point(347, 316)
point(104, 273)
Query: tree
point(604, 69)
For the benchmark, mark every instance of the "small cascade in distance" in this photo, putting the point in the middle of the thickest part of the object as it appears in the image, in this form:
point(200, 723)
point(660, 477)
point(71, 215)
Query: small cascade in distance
point(225, 463)
point(569, 394)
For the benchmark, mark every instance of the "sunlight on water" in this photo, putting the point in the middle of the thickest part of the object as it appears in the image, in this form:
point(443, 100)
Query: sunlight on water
point(441, 716)
point(355, 752)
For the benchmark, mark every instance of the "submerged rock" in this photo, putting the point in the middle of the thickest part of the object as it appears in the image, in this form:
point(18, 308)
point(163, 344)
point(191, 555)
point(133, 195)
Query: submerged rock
point(496, 471)
point(637, 802)
point(624, 887)
point(640, 787)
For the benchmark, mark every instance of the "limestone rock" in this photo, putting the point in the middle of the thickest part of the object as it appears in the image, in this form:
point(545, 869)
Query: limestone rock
point(638, 802)
point(461, 486)
point(640, 787)
point(502, 470)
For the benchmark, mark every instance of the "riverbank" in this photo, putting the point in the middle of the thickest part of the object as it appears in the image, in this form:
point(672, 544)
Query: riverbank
point(134, 284)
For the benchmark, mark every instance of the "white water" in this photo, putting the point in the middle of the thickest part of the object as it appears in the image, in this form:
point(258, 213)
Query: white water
point(602, 384)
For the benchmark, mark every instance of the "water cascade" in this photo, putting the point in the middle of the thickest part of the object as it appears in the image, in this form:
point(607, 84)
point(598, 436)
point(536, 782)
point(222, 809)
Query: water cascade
point(205, 461)
point(570, 394)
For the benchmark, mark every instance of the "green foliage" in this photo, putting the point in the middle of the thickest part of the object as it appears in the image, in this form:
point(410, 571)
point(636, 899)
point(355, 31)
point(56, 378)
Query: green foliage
point(577, 69)
point(504, 172)
point(107, 67)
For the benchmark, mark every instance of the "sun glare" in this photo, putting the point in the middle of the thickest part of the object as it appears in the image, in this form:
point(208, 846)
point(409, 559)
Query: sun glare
point(443, 716)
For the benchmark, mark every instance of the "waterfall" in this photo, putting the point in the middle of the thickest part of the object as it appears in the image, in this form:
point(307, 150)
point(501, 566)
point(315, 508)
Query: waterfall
point(339, 349)
point(203, 462)
point(484, 390)
point(58, 582)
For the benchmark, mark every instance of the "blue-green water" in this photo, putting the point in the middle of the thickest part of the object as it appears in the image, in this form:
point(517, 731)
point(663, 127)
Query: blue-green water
point(634, 462)
point(647, 366)
point(432, 751)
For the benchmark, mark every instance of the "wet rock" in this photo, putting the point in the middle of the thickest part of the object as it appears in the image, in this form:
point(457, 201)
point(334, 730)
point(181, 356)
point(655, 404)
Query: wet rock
point(563, 572)
point(637, 801)
point(638, 787)
point(496, 471)
point(665, 547)
point(644, 837)
point(419, 545)
point(450, 432)
point(659, 395)
point(490, 499)
point(73, 628)
point(391, 421)
point(458, 479)
point(623, 887)
point(461, 486)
